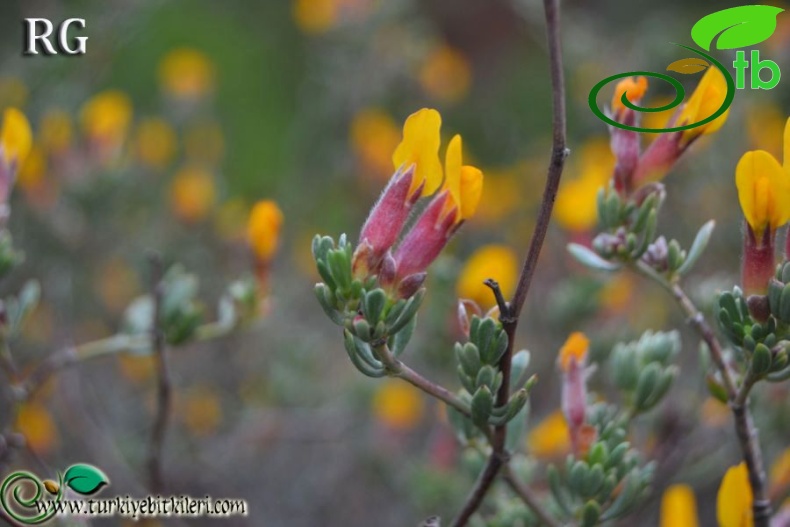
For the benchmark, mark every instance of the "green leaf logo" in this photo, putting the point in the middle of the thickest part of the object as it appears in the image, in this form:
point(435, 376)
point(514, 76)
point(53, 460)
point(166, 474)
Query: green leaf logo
point(738, 27)
point(85, 479)
point(687, 66)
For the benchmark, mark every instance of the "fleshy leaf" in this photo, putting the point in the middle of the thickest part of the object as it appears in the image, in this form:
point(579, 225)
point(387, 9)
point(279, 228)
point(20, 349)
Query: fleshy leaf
point(689, 65)
point(85, 479)
point(737, 27)
point(589, 259)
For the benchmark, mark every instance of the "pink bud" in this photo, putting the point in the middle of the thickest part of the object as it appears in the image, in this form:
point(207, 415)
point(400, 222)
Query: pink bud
point(387, 270)
point(411, 284)
point(626, 149)
point(389, 214)
point(759, 263)
point(659, 158)
point(427, 238)
point(466, 310)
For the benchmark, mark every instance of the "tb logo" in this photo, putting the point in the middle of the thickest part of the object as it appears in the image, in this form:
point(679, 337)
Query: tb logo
point(37, 37)
point(756, 65)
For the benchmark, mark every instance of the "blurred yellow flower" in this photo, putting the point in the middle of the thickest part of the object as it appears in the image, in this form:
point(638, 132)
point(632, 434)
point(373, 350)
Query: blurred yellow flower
point(35, 423)
point(374, 136)
point(679, 507)
point(230, 220)
point(420, 147)
point(201, 410)
point(576, 205)
point(34, 170)
point(764, 125)
point(617, 292)
point(136, 368)
point(56, 130)
point(715, 413)
point(503, 195)
point(707, 98)
point(315, 16)
point(397, 405)
point(575, 347)
point(490, 261)
point(16, 138)
point(13, 92)
point(106, 117)
point(446, 74)
point(116, 284)
point(780, 473)
point(192, 194)
point(734, 500)
point(763, 190)
point(263, 229)
point(186, 73)
point(204, 143)
point(155, 142)
point(550, 438)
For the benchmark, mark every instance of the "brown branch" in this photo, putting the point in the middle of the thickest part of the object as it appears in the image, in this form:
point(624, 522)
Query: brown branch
point(745, 430)
point(510, 316)
point(164, 391)
point(528, 497)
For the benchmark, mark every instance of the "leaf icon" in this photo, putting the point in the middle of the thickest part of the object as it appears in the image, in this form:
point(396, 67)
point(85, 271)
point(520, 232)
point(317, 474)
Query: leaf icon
point(738, 27)
point(690, 65)
point(85, 479)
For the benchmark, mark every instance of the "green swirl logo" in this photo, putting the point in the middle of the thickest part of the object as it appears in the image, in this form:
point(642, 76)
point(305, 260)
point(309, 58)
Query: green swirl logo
point(30, 501)
point(736, 27)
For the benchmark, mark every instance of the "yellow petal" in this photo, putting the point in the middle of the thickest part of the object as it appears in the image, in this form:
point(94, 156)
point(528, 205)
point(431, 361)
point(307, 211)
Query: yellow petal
point(678, 507)
point(398, 405)
point(465, 183)
point(634, 87)
point(420, 146)
point(780, 472)
point(263, 229)
point(786, 143)
point(763, 190)
point(16, 138)
point(453, 161)
point(706, 99)
point(576, 346)
point(734, 501)
point(471, 191)
point(550, 438)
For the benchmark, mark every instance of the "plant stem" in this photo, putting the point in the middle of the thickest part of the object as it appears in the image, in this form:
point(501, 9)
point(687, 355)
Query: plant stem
point(164, 391)
point(528, 497)
point(745, 430)
point(510, 316)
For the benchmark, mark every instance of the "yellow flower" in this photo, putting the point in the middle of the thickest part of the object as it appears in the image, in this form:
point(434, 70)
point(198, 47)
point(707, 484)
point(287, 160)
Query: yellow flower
point(56, 130)
point(550, 438)
point(780, 473)
point(635, 87)
point(201, 410)
point(106, 117)
point(678, 507)
point(446, 74)
point(576, 205)
point(616, 294)
point(763, 190)
point(490, 261)
point(192, 194)
point(734, 501)
point(16, 138)
point(186, 73)
point(116, 284)
point(706, 99)
point(263, 229)
point(764, 125)
point(315, 16)
point(398, 405)
point(420, 147)
point(33, 172)
point(374, 136)
point(155, 142)
point(35, 423)
point(465, 183)
point(576, 347)
point(136, 368)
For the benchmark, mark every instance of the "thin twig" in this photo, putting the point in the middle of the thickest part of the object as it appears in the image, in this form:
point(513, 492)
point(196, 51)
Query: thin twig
point(164, 394)
point(738, 398)
point(528, 497)
point(509, 317)
point(402, 371)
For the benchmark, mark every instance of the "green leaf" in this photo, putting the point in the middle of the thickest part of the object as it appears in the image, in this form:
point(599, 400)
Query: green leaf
point(589, 259)
point(697, 247)
point(689, 65)
point(85, 479)
point(737, 27)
